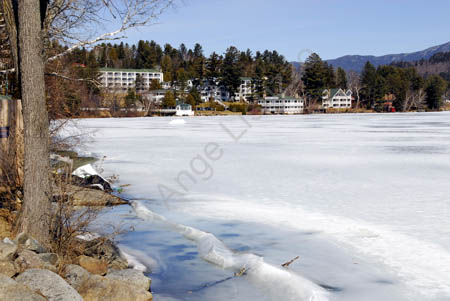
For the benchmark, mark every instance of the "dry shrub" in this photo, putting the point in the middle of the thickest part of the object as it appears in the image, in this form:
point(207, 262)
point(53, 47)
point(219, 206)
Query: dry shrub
point(68, 221)
point(72, 226)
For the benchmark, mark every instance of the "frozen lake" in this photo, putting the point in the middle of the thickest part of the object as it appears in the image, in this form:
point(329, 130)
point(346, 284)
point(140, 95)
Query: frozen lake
point(362, 199)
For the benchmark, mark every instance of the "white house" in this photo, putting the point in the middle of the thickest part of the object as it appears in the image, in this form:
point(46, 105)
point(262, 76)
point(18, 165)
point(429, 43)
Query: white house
point(120, 80)
point(281, 105)
point(183, 109)
point(245, 90)
point(336, 99)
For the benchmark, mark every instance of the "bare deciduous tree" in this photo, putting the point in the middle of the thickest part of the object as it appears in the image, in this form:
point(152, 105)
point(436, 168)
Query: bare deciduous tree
point(414, 99)
point(354, 81)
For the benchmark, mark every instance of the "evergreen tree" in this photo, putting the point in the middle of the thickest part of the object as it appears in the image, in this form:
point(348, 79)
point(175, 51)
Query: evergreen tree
point(330, 76)
point(131, 98)
point(195, 96)
point(341, 79)
point(369, 84)
point(435, 89)
point(169, 100)
point(213, 66)
point(231, 73)
point(166, 68)
point(314, 76)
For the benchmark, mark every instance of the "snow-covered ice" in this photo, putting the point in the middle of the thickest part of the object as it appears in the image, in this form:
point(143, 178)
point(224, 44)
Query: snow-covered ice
point(363, 198)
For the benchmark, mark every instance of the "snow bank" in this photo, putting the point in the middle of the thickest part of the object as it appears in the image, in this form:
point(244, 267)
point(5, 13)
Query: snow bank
point(280, 284)
point(177, 122)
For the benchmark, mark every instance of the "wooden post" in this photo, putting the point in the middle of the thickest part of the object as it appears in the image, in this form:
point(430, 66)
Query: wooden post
point(4, 126)
point(16, 147)
point(11, 138)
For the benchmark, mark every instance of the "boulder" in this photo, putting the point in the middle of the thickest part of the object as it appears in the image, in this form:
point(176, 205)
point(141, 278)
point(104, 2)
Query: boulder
point(92, 198)
point(49, 284)
point(8, 268)
point(132, 277)
point(75, 275)
point(28, 242)
point(105, 250)
point(27, 259)
point(50, 258)
point(11, 290)
point(102, 288)
point(7, 250)
point(93, 265)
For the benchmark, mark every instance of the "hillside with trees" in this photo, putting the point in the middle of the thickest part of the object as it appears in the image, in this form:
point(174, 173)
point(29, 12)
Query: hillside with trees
point(268, 69)
point(407, 86)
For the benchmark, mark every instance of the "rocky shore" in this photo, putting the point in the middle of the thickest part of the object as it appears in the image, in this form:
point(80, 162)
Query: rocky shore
point(29, 272)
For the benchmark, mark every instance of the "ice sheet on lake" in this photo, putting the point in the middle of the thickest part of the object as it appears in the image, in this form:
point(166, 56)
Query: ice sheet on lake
point(375, 184)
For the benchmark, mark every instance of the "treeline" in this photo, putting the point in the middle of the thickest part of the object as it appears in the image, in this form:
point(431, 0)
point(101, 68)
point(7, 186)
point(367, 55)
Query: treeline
point(401, 84)
point(438, 64)
point(269, 70)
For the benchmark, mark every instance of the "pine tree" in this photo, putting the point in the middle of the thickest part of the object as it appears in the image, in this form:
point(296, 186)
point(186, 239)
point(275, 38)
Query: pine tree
point(314, 76)
point(369, 84)
point(231, 73)
point(213, 66)
point(435, 89)
point(169, 100)
point(341, 79)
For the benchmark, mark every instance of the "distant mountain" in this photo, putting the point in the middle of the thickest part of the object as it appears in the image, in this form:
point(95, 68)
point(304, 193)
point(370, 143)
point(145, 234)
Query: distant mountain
point(356, 62)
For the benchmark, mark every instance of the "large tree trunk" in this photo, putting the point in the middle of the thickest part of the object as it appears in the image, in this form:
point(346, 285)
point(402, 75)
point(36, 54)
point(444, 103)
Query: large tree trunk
point(35, 214)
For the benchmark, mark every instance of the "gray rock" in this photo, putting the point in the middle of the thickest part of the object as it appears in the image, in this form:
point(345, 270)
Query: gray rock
point(11, 290)
point(75, 275)
point(91, 197)
point(29, 243)
point(132, 277)
point(50, 258)
point(51, 285)
point(7, 251)
point(27, 259)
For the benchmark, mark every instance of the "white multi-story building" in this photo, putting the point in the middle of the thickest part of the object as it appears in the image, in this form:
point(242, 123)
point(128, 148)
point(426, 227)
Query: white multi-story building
point(245, 90)
point(281, 105)
point(337, 99)
point(120, 80)
point(213, 89)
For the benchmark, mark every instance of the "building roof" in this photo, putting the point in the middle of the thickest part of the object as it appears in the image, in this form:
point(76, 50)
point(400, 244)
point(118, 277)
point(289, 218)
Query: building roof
point(334, 91)
point(128, 70)
point(246, 78)
point(7, 97)
point(184, 106)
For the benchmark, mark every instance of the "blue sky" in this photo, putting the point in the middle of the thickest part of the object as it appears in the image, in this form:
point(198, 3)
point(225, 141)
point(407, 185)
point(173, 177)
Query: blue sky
point(332, 28)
